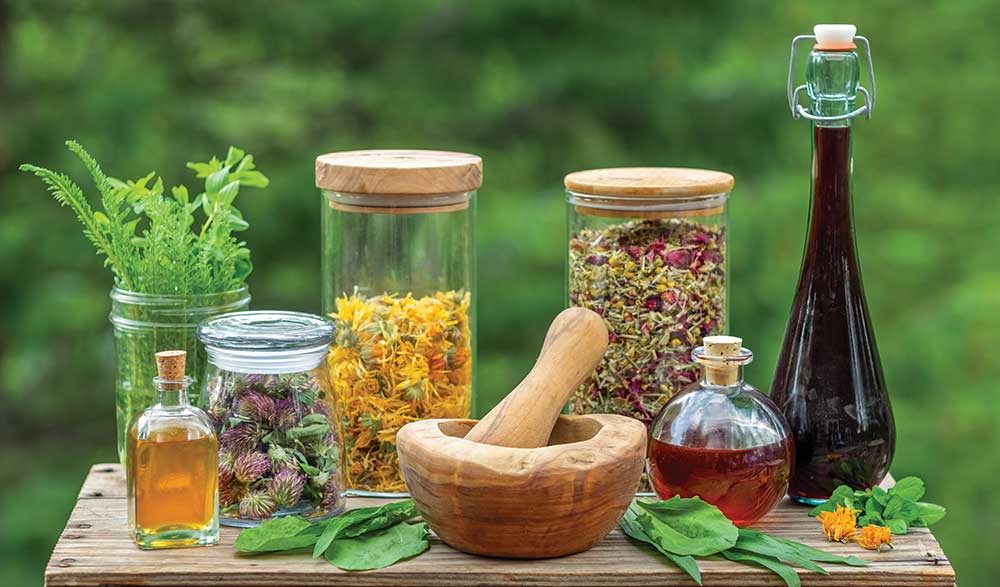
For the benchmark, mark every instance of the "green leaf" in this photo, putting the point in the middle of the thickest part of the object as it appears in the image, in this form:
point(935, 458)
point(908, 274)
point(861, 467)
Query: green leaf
point(762, 544)
point(687, 526)
point(215, 181)
point(908, 488)
point(101, 218)
point(234, 155)
point(893, 507)
point(379, 549)
point(305, 431)
point(842, 495)
point(180, 194)
point(815, 554)
point(880, 495)
point(284, 533)
point(930, 513)
point(358, 521)
point(787, 573)
point(897, 526)
point(633, 529)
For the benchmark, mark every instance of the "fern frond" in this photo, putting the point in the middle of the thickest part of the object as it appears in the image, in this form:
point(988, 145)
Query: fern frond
point(120, 230)
point(68, 194)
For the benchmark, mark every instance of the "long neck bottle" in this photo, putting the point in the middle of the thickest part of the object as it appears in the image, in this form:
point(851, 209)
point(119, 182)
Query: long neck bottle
point(828, 382)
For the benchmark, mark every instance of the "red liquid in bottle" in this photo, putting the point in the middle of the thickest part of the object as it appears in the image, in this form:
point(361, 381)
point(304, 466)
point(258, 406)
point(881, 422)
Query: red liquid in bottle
point(828, 382)
point(744, 483)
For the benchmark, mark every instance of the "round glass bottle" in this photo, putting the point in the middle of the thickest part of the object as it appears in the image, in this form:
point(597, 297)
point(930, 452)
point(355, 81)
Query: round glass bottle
point(398, 279)
point(647, 251)
point(721, 439)
point(278, 449)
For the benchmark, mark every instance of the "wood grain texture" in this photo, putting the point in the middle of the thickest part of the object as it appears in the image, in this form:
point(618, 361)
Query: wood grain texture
point(573, 347)
point(487, 500)
point(95, 550)
point(399, 172)
point(654, 182)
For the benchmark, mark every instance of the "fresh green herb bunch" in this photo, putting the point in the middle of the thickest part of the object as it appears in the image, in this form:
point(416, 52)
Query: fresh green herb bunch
point(154, 243)
point(684, 528)
point(899, 508)
point(277, 450)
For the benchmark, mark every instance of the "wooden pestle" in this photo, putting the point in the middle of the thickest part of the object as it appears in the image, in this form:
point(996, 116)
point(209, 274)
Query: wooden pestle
point(573, 347)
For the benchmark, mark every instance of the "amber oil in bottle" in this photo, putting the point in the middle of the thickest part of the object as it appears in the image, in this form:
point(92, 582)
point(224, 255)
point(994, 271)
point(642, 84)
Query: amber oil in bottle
point(173, 493)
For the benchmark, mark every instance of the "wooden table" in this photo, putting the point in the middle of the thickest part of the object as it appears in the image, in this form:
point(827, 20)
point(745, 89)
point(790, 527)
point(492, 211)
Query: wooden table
point(96, 549)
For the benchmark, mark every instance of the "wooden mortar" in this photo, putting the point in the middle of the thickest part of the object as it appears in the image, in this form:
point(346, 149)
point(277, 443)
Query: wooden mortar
point(533, 484)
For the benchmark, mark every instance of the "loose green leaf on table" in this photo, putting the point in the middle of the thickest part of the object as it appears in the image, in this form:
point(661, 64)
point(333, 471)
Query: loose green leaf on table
point(683, 528)
point(284, 533)
point(787, 573)
point(687, 526)
point(379, 549)
point(686, 563)
point(358, 521)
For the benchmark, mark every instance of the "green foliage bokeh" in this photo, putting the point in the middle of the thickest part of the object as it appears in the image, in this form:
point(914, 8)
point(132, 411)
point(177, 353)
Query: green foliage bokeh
point(538, 89)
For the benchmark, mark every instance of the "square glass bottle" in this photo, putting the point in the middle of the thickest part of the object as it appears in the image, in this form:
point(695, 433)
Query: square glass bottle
point(172, 473)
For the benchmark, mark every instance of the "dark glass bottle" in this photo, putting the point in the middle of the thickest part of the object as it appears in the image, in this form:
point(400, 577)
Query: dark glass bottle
point(828, 382)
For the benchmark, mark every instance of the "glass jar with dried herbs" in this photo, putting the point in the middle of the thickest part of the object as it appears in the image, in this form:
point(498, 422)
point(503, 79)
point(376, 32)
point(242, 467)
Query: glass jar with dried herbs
point(647, 251)
point(278, 450)
point(398, 275)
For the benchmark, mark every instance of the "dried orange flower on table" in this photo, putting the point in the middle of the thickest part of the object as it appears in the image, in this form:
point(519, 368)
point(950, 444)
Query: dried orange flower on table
point(395, 360)
point(874, 537)
point(839, 526)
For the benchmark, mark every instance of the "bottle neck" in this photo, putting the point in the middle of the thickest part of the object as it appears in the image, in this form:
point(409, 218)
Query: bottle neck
point(832, 85)
point(728, 376)
point(171, 394)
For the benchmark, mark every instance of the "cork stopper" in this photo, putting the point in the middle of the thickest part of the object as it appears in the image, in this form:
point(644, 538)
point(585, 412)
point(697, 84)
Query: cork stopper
point(170, 367)
point(719, 371)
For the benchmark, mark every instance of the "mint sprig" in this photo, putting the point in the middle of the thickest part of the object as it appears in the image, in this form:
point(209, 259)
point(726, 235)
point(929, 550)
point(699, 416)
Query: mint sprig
point(899, 508)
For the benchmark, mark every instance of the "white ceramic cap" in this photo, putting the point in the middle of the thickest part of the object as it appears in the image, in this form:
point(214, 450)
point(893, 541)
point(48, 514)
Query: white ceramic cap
point(834, 34)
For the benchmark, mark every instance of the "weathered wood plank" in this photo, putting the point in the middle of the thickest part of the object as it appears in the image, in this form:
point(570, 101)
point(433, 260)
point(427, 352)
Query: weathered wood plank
point(96, 550)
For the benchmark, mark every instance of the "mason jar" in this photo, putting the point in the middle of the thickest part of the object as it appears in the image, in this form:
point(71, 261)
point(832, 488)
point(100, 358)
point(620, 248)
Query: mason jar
point(398, 281)
point(144, 324)
point(278, 450)
point(647, 250)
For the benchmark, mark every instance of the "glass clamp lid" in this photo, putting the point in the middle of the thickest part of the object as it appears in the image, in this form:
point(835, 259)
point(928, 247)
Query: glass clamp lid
point(835, 44)
point(266, 341)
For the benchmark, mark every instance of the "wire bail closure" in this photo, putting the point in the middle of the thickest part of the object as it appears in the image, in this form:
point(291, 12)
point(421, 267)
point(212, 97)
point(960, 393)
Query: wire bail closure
point(799, 111)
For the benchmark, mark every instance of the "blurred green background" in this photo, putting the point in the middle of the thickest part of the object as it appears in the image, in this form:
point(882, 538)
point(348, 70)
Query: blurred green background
point(538, 89)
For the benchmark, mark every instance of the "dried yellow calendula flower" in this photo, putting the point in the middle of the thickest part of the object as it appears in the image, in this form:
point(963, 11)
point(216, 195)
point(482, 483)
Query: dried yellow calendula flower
point(874, 537)
point(395, 360)
point(841, 525)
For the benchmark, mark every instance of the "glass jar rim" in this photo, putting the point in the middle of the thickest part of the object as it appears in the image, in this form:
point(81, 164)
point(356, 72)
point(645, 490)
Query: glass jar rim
point(135, 297)
point(266, 330)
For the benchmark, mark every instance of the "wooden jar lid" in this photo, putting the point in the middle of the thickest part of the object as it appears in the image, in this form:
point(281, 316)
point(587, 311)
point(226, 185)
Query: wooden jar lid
point(399, 172)
point(634, 189)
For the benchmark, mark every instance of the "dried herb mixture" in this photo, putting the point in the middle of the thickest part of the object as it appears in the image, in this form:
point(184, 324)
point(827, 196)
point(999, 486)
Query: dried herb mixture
point(660, 286)
point(395, 360)
point(277, 449)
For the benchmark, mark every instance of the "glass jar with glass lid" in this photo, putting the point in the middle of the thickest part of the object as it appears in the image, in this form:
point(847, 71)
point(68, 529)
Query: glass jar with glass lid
point(647, 251)
point(398, 278)
point(278, 450)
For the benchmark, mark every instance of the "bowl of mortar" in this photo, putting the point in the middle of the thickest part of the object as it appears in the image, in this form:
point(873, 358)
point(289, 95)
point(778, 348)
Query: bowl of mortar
point(526, 482)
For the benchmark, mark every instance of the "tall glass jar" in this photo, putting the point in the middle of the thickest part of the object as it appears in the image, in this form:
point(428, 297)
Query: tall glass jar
point(278, 450)
point(647, 251)
point(398, 277)
point(147, 323)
